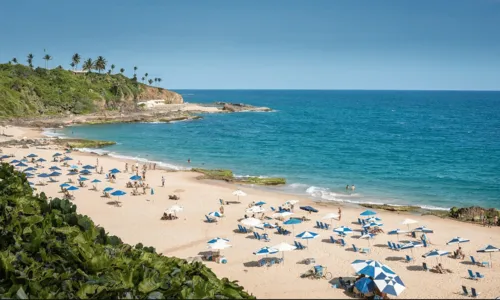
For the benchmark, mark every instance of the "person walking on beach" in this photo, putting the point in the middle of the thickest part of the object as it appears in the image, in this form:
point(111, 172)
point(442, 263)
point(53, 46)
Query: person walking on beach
point(144, 175)
point(102, 171)
point(340, 213)
point(126, 167)
point(154, 167)
point(163, 181)
point(97, 162)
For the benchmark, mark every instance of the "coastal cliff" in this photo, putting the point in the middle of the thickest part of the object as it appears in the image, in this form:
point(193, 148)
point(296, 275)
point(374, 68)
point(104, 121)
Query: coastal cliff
point(26, 92)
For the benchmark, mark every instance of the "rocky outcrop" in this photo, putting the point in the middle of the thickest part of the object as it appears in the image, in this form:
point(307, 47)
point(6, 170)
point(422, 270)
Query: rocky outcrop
point(473, 213)
point(227, 175)
point(238, 107)
point(152, 93)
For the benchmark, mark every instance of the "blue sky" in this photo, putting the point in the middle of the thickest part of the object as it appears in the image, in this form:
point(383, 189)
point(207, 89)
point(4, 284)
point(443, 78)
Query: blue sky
point(269, 44)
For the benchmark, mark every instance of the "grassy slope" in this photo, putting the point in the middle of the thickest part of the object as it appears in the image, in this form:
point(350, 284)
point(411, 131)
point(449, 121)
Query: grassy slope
point(27, 92)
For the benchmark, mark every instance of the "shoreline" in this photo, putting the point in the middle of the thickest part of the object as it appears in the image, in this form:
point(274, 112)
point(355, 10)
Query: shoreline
point(137, 220)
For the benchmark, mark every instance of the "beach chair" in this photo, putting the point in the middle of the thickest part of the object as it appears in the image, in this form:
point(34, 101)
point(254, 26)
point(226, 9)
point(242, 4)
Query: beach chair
point(484, 263)
point(318, 225)
point(424, 265)
point(271, 262)
point(390, 246)
point(332, 239)
point(465, 292)
point(273, 209)
point(414, 234)
point(265, 237)
point(425, 243)
point(479, 275)
point(359, 221)
point(394, 246)
point(286, 232)
point(363, 222)
point(209, 220)
point(279, 260)
point(342, 243)
point(296, 245)
point(360, 250)
point(408, 258)
point(473, 292)
point(327, 226)
point(471, 275)
point(52, 180)
point(256, 235)
point(302, 247)
point(399, 246)
point(321, 225)
point(262, 262)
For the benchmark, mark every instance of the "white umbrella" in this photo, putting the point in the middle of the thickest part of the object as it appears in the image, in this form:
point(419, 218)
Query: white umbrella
point(174, 209)
point(282, 214)
point(408, 222)
point(283, 247)
point(239, 193)
point(291, 202)
point(219, 245)
point(331, 217)
point(368, 236)
point(255, 209)
point(252, 222)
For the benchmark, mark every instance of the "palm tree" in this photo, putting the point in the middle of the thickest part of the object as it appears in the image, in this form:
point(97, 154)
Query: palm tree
point(122, 70)
point(135, 69)
point(47, 58)
point(72, 64)
point(88, 65)
point(146, 75)
point(100, 64)
point(150, 81)
point(76, 59)
point(143, 79)
point(30, 60)
point(14, 60)
point(159, 80)
point(112, 68)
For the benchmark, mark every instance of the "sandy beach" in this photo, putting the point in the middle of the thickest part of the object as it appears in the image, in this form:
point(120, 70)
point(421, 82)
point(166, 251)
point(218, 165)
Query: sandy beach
point(138, 220)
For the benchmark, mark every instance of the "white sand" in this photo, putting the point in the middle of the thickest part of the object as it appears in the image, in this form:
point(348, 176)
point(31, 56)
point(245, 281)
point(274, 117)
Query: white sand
point(138, 220)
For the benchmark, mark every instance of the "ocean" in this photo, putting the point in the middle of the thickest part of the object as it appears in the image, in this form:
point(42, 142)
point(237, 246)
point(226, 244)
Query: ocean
point(434, 149)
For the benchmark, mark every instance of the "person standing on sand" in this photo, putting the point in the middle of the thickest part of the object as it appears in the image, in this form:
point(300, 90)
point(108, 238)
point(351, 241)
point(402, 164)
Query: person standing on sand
point(163, 181)
point(340, 213)
point(97, 162)
point(154, 166)
point(102, 171)
point(144, 175)
point(126, 167)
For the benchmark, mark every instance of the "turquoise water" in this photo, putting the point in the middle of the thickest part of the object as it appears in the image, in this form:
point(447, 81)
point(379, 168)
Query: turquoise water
point(433, 149)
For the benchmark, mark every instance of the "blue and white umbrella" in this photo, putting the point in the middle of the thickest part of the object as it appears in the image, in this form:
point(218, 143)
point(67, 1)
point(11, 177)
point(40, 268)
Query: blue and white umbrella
point(85, 172)
point(423, 229)
point(54, 174)
point(371, 267)
point(67, 158)
point(307, 235)
point(64, 185)
point(397, 232)
point(118, 194)
point(15, 161)
point(365, 285)
point(368, 213)
point(74, 167)
point(32, 155)
point(265, 251)
point(72, 173)
point(54, 168)
point(108, 189)
point(489, 249)
point(95, 181)
point(260, 203)
point(218, 239)
point(56, 154)
point(368, 236)
point(373, 224)
point(21, 164)
point(136, 177)
point(30, 183)
point(88, 167)
point(72, 188)
point(292, 222)
point(343, 230)
point(373, 219)
point(411, 246)
point(457, 240)
point(44, 175)
point(83, 179)
point(29, 175)
point(29, 169)
point(114, 171)
point(436, 253)
point(215, 214)
point(41, 159)
point(4, 157)
point(389, 284)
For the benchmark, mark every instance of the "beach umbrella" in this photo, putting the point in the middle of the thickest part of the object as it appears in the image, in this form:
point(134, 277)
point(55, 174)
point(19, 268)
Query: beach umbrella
point(29, 175)
point(371, 267)
point(307, 235)
point(136, 177)
point(21, 164)
point(56, 154)
point(291, 202)
point(53, 174)
point(29, 169)
point(88, 167)
point(331, 217)
point(365, 285)
point(309, 209)
point(95, 181)
point(118, 194)
point(44, 175)
point(64, 185)
point(265, 251)
point(239, 193)
point(489, 249)
point(67, 158)
point(55, 168)
point(281, 214)
point(85, 172)
point(368, 213)
point(344, 230)
point(72, 188)
point(408, 222)
point(397, 232)
point(32, 155)
point(108, 189)
point(74, 167)
point(374, 224)
point(284, 247)
point(260, 203)
point(292, 222)
point(219, 245)
point(368, 236)
point(411, 246)
point(457, 240)
point(373, 219)
point(4, 157)
point(218, 240)
point(41, 159)
point(72, 173)
point(423, 229)
point(214, 214)
point(252, 222)
point(255, 209)
point(264, 226)
point(175, 209)
point(83, 179)
point(114, 171)
point(15, 161)
point(389, 284)
point(435, 253)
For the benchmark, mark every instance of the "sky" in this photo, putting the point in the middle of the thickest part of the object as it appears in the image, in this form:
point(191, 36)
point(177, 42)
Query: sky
point(269, 44)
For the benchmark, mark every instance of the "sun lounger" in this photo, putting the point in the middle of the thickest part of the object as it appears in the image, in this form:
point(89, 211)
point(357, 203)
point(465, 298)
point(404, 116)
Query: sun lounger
point(318, 225)
point(210, 220)
point(359, 221)
point(473, 292)
point(256, 235)
point(471, 275)
point(265, 237)
point(332, 240)
point(52, 180)
point(479, 275)
point(390, 245)
point(408, 258)
point(465, 292)
point(360, 250)
point(424, 265)
point(327, 226)
point(484, 263)
point(271, 262)
point(342, 243)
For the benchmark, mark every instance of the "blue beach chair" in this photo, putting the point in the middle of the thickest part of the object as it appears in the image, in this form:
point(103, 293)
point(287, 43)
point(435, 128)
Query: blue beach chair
point(479, 275)
point(408, 258)
point(484, 263)
point(332, 239)
point(390, 246)
point(342, 243)
point(471, 275)
point(473, 292)
point(465, 292)
point(424, 265)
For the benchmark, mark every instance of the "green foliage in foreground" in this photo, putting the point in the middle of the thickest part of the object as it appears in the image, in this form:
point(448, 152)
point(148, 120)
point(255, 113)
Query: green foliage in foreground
point(50, 251)
point(27, 92)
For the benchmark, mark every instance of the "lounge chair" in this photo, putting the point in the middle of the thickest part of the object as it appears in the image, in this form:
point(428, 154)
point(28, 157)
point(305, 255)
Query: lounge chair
point(408, 258)
point(52, 180)
point(318, 224)
point(363, 222)
point(271, 262)
point(471, 275)
point(390, 245)
point(473, 292)
point(464, 289)
point(479, 275)
point(394, 247)
point(342, 243)
point(265, 237)
point(256, 235)
point(327, 226)
point(210, 220)
point(332, 239)
point(424, 265)
point(484, 263)
point(299, 245)
point(360, 250)
point(273, 209)
point(359, 221)
point(302, 247)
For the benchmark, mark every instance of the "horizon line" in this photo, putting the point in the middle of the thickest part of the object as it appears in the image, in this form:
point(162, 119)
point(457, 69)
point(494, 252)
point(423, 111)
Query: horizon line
point(367, 90)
